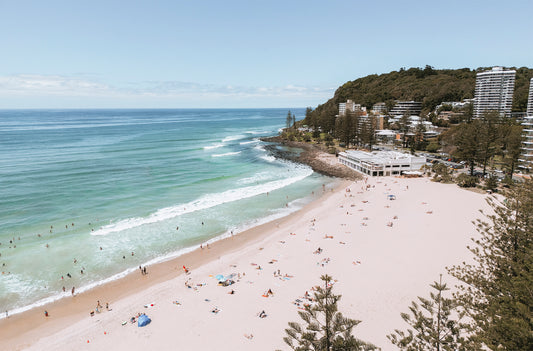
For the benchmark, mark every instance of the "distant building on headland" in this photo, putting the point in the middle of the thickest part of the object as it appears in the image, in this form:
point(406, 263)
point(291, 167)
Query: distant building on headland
point(381, 163)
point(379, 108)
point(530, 99)
point(494, 92)
point(411, 108)
point(350, 106)
point(454, 104)
point(527, 146)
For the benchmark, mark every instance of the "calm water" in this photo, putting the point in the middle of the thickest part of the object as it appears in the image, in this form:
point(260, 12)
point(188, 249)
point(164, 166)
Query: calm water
point(96, 185)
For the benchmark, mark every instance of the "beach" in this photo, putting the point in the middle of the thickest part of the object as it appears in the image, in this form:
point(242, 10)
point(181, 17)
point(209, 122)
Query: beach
point(382, 254)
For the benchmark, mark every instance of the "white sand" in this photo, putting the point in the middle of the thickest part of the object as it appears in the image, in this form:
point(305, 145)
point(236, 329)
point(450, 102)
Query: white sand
point(397, 264)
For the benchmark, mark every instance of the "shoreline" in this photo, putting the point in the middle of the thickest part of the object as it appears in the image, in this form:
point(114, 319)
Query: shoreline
point(29, 325)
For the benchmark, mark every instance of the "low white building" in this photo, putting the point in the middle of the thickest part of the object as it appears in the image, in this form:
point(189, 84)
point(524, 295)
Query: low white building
point(381, 163)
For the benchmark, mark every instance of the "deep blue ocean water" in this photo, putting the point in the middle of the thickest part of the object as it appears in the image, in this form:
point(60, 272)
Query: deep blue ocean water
point(81, 189)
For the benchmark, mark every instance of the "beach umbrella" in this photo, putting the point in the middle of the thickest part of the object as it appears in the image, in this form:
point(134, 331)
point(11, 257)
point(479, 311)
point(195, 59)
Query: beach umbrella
point(220, 277)
point(143, 320)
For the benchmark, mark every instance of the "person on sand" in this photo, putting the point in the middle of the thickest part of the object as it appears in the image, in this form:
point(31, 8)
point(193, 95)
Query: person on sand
point(46, 313)
point(144, 270)
point(262, 314)
point(73, 291)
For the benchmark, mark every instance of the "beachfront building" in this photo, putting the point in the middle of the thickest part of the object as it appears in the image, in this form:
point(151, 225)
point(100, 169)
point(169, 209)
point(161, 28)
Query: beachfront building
point(381, 163)
point(411, 108)
point(527, 147)
point(494, 92)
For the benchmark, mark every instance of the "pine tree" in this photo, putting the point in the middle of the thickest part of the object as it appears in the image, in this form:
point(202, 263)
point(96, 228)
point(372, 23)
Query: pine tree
point(288, 119)
point(326, 329)
point(434, 325)
point(497, 290)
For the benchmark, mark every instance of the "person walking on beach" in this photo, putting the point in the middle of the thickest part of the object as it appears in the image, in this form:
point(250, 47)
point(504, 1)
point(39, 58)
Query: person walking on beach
point(73, 291)
point(144, 270)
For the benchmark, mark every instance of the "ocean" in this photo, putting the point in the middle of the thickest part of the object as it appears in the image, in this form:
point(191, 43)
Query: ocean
point(89, 195)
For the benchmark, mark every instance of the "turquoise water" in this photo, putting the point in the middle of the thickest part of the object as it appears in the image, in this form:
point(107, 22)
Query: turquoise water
point(95, 186)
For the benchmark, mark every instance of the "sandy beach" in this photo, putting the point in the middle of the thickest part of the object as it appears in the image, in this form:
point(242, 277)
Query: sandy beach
point(383, 254)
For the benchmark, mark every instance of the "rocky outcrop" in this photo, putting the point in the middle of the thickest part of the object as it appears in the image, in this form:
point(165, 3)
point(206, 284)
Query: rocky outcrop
point(312, 155)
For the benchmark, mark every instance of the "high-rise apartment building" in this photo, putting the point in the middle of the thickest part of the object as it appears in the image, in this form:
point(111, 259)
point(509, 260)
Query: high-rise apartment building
point(530, 100)
point(410, 108)
point(527, 149)
point(494, 92)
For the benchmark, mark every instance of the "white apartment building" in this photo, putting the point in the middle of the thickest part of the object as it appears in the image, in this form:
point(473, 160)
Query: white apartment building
point(454, 104)
point(530, 99)
point(381, 163)
point(403, 107)
point(494, 92)
point(527, 148)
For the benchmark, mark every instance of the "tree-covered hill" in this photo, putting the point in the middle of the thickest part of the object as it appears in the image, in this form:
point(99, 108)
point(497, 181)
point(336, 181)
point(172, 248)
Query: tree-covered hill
point(431, 86)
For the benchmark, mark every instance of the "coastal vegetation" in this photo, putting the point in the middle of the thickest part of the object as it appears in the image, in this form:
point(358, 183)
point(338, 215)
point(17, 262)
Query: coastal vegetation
point(495, 292)
point(485, 141)
point(435, 324)
point(326, 329)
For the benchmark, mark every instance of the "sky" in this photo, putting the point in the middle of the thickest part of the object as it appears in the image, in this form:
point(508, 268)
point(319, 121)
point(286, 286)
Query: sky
point(239, 54)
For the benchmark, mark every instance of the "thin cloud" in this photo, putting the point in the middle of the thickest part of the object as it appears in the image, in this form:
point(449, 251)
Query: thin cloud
point(28, 87)
point(27, 84)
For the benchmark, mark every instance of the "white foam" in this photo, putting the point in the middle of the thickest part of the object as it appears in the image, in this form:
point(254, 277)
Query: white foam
point(226, 154)
point(232, 138)
point(204, 202)
point(255, 132)
point(215, 146)
point(249, 142)
point(268, 158)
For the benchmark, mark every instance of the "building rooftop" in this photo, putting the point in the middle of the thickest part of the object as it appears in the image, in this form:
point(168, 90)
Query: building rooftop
point(379, 156)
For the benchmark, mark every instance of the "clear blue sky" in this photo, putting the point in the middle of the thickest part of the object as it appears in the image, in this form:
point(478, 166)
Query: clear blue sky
point(85, 54)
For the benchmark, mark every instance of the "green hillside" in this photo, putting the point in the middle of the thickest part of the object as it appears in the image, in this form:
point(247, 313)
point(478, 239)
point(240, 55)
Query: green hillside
point(431, 86)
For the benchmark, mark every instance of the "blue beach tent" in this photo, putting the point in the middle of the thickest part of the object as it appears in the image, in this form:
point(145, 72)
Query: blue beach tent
point(143, 320)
